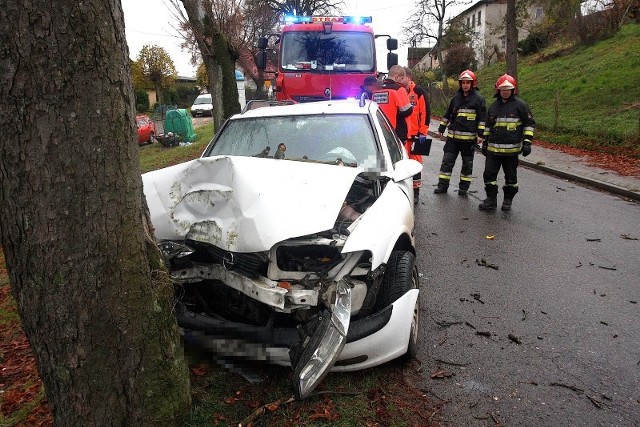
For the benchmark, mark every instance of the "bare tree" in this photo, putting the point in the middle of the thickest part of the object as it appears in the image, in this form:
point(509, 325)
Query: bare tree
point(207, 25)
point(303, 7)
point(420, 24)
point(88, 280)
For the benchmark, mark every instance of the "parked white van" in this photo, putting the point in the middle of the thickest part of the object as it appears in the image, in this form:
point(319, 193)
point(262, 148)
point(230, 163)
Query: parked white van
point(202, 105)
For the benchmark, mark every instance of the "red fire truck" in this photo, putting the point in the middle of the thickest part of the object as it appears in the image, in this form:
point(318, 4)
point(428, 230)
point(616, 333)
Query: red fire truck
point(323, 57)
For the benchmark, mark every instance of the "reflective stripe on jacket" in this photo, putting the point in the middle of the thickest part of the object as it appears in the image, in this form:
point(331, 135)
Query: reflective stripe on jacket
point(509, 124)
point(465, 117)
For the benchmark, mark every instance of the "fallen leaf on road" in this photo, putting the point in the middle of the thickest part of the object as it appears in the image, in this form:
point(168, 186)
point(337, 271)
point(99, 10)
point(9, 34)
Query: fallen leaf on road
point(441, 374)
point(627, 237)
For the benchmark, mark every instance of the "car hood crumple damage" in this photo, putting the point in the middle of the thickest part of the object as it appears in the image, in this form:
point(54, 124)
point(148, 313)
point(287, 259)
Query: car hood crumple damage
point(245, 204)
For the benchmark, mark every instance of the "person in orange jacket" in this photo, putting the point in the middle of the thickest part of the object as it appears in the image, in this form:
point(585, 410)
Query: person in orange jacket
point(417, 123)
point(394, 101)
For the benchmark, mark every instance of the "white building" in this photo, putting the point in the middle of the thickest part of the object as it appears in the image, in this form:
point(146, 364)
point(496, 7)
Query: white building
point(486, 19)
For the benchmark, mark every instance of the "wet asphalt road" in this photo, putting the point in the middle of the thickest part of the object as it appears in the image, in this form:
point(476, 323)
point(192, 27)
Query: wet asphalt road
point(567, 285)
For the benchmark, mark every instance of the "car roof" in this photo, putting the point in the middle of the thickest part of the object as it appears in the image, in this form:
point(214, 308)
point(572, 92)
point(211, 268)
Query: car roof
point(344, 106)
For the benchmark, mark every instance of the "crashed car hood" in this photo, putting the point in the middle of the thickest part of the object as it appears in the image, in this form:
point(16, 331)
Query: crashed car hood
point(245, 204)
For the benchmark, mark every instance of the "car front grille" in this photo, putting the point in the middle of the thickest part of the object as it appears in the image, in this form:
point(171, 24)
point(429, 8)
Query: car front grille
point(248, 264)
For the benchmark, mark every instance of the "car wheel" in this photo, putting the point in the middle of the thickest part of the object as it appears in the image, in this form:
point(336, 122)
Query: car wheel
point(152, 138)
point(401, 276)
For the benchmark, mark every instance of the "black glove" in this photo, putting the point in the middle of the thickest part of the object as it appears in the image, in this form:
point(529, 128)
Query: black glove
point(526, 149)
point(484, 148)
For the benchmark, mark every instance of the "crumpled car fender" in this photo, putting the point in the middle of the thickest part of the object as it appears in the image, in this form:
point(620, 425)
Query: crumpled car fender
point(374, 232)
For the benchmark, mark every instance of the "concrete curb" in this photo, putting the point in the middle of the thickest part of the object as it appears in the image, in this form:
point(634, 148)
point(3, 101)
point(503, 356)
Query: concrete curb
point(611, 188)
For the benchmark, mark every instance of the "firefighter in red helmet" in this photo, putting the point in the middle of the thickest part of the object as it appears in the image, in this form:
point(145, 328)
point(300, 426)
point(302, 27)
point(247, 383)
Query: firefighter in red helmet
point(508, 133)
point(465, 118)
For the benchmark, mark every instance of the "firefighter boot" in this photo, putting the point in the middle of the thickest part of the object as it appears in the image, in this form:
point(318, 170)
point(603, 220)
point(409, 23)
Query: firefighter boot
point(491, 202)
point(441, 189)
point(509, 192)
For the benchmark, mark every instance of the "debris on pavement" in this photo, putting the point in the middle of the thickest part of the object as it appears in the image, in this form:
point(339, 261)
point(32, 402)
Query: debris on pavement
point(594, 240)
point(627, 237)
point(515, 338)
point(483, 262)
point(570, 387)
point(440, 373)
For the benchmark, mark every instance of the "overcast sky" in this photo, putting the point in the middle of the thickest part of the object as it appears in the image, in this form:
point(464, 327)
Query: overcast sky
point(150, 22)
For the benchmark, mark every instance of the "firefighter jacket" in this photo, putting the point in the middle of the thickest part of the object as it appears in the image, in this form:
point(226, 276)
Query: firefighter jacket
point(394, 102)
point(465, 117)
point(509, 124)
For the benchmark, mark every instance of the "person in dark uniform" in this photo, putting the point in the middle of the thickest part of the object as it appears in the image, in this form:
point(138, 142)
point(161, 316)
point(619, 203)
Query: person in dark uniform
point(465, 119)
point(509, 132)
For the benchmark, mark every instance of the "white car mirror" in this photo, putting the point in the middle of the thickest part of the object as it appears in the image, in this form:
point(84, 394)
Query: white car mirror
point(406, 169)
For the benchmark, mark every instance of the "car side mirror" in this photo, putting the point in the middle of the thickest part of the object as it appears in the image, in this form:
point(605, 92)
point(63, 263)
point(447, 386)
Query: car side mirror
point(392, 44)
point(405, 169)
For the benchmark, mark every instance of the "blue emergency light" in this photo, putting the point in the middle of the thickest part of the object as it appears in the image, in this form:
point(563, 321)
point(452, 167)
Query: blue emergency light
point(293, 19)
point(357, 20)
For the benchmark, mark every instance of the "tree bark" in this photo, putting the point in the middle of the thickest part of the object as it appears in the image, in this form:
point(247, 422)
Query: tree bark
point(93, 297)
point(215, 55)
point(512, 39)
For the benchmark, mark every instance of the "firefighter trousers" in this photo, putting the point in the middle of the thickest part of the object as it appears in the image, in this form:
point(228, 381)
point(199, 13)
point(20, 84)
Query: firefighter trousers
point(492, 165)
point(451, 149)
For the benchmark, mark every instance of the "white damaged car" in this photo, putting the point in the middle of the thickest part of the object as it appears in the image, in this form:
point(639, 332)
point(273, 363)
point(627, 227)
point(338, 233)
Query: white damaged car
point(292, 239)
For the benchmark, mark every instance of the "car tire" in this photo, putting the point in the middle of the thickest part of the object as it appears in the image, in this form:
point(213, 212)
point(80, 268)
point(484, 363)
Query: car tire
point(400, 276)
point(152, 138)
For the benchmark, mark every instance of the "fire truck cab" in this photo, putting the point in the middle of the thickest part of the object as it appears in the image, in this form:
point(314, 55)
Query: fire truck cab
point(323, 57)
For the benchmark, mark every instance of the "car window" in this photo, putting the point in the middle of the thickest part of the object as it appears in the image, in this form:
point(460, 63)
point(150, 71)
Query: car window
point(395, 150)
point(142, 122)
point(202, 100)
point(336, 139)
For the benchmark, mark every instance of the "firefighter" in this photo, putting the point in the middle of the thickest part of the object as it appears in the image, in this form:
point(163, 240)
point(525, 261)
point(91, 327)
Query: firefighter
point(394, 101)
point(465, 119)
point(417, 124)
point(509, 132)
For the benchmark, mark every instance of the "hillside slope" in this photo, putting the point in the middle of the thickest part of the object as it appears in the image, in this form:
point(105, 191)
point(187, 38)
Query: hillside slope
point(597, 89)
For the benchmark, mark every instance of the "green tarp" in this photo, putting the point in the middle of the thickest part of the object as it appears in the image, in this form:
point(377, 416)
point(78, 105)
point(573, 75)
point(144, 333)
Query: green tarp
point(179, 122)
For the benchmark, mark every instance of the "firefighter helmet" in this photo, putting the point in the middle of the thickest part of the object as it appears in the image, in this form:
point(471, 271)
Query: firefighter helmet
point(506, 82)
point(469, 75)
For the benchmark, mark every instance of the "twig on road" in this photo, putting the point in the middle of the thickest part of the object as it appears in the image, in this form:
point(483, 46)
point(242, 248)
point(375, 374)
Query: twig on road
point(570, 387)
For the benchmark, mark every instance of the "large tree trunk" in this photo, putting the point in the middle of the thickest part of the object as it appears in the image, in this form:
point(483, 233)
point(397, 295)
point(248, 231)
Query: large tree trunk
point(216, 57)
point(94, 299)
point(512, 39)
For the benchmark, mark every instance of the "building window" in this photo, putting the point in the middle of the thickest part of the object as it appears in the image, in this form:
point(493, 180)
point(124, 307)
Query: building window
point(539, 13)
point(468, 22)
point(479, 17)
point(473, 20)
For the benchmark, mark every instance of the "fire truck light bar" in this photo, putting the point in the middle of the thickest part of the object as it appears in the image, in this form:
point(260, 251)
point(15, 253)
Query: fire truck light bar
point(292, 19)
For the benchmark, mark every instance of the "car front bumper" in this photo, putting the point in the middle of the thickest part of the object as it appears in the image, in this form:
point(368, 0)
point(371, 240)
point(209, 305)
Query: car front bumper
point(371, 341)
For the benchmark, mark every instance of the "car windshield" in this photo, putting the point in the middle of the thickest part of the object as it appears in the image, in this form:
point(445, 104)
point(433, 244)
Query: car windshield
point(338, 51)
point(203, 100)
point(334, 139)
